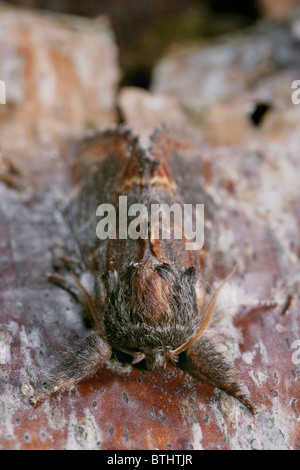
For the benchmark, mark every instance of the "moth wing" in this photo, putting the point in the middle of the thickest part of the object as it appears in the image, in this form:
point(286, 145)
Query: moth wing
point(182, 155)
point(96, 167)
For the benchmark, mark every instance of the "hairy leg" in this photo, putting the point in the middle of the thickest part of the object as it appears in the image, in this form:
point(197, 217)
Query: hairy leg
point(80, 363)
point(209, 366)
point(65, 284)
point(72, 269)
point(10, 174)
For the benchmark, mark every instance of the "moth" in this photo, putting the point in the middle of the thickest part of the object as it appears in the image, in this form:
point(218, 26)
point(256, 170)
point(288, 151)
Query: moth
point(146, 297)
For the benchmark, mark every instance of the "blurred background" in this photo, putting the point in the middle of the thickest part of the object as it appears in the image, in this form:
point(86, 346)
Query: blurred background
point(145, 29)
point(74, 66)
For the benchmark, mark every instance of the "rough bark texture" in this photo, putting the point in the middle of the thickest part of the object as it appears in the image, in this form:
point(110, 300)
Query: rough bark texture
point(252, 172)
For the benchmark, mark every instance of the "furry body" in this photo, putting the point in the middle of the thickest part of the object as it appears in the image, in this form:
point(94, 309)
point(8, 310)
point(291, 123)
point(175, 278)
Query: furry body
point(147, 297)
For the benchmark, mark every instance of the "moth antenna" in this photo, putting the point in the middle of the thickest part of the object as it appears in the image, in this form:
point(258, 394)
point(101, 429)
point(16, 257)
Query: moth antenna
point(90, 305)
point(172, 356)
point(207, 316)
point(138, 357)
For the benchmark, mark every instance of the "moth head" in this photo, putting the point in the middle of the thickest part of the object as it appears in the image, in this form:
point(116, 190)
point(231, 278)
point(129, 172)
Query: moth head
point(152, 311)
point(157, 359)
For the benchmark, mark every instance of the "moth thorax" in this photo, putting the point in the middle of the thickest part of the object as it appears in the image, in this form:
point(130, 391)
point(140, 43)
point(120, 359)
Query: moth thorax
point(156, 361)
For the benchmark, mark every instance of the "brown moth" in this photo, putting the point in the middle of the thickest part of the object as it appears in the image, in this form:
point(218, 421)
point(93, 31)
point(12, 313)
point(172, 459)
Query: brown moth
point(147, 297)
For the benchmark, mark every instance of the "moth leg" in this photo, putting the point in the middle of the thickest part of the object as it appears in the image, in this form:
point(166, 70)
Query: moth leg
point(64, 283)
point(269, 303)
point(10, 174)
point(10, 181)
point(209, 366)
point(76, 288)
point(259, 303)
point(61, 260)
point(289, 300)
point(78, 364)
